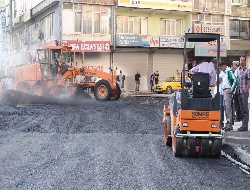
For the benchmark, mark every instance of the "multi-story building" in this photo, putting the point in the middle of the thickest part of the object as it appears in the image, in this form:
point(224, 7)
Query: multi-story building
point(132, 35)
point(149, 38)
point(239, 29)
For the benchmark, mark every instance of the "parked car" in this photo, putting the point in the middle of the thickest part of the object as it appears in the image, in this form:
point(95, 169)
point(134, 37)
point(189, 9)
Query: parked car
point(170, 85)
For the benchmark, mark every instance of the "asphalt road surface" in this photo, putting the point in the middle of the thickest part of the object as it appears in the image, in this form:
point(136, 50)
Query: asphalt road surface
point(51, 144)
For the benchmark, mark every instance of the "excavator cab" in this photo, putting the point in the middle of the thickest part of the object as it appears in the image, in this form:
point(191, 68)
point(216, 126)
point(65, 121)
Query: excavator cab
point(191, 121)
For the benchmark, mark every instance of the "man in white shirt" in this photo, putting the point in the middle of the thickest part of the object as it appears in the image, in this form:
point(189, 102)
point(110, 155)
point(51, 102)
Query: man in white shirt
point(207, 67)
point(221, 76)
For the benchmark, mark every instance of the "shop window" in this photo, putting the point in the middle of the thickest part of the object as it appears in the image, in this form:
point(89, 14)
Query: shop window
point(239, 29)
point(170, 27)
point(131, 25)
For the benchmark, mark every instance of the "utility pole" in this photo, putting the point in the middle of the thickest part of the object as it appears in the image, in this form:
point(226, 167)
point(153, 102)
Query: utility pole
point(10, 20)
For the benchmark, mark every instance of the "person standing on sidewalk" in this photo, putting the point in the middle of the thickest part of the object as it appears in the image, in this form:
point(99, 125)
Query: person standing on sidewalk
point(152, 77)
point(244, 85)
point(137, 81)
point(156, 78)
point(223, 67)
point(237, 113)
point(229, 85)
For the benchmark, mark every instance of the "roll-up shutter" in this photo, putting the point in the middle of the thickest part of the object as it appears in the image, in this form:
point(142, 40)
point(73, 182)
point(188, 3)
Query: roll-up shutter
point(130, 63)
point(96, 60)
point(166, 62)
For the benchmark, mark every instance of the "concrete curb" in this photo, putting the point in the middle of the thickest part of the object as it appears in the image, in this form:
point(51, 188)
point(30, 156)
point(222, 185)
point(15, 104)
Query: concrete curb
point(242, 154)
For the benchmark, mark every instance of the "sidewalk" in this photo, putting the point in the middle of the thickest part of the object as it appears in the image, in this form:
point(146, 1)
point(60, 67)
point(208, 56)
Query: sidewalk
point(239, 141)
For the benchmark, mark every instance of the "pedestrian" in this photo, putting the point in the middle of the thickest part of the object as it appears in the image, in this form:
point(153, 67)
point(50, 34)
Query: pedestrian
point(137, 81)
point(237, 113)
point(152, 77)
point(223, 67)
point(156, 78)
point(120, 79)
point(229, 84)
point(244, 84)
point(207, 67)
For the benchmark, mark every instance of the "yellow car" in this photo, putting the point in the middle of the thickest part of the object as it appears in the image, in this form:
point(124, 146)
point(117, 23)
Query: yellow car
point(170, 85)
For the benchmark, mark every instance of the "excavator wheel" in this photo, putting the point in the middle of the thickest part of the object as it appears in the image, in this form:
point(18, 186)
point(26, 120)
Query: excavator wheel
point(177, 146)
point(102, 90)
point(23, 87)
point(191, 146)
point(204, 148)
point(39, 88)
point(167, 131)
point(216, 148)
point(117, 93)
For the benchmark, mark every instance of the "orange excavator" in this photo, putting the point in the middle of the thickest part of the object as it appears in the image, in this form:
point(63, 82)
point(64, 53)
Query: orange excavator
point(56, 73)
point(191, 121)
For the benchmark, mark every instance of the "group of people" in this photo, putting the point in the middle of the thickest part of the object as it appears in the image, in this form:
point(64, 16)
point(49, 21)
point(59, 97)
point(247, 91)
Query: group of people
point(154, 80)
point(234, 84)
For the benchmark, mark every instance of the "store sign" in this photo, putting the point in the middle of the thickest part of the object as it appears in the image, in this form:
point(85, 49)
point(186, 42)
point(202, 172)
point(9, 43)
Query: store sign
point(174, 42)
point(107, 2)
point(3, 24)
point(137, 40)
point(150, 41)
point(209, 49)
point(128, 40)
point(89, 46)
point(179, 5)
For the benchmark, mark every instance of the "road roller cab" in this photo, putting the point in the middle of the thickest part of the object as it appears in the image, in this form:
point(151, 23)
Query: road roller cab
point(192, 119)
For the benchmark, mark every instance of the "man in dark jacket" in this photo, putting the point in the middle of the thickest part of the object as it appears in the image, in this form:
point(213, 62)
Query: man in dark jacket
point(137, 81)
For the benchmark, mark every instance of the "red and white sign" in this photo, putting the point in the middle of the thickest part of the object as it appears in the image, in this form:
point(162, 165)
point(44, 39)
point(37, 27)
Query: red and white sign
point(89, 46)
point(99, 68)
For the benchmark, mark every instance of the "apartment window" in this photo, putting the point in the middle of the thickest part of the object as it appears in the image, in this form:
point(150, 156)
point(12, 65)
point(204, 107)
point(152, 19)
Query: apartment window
point(131, 25)
point(78, 21)
point(209, 5)
point(170, 27)
point(208, 19)
point(202, 5)
point(218, 5)
point(87, 19)
point(239, 29)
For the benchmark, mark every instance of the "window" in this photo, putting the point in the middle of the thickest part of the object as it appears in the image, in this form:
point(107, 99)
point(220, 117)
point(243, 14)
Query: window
point(208, 19)
point(78, 22)
point(209, 5)
point(131, 25)
point(170, 27)
point(88, 19)
point(239, 29)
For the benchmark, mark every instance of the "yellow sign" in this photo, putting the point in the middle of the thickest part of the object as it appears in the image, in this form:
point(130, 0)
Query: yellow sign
point(180, 5)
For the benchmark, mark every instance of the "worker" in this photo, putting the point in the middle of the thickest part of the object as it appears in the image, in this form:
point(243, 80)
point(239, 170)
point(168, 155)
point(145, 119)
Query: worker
point(207, 67)
point(53, 65)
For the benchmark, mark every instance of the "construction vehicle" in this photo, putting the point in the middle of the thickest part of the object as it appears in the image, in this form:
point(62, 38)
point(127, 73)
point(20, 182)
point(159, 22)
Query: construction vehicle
point(191, 121)
point(56, 73)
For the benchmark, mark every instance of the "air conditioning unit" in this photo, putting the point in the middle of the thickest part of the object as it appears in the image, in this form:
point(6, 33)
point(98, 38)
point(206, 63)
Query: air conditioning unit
point(236, 2)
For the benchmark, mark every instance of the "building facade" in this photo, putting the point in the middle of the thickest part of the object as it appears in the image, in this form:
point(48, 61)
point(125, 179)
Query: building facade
point(130, 35)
